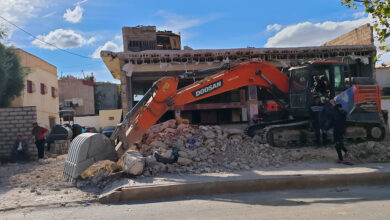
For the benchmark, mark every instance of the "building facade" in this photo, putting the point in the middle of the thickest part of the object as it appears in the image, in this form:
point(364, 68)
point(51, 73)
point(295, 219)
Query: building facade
point(138, 69)
point(41, 89)
point(77, 94)
point(142, 38)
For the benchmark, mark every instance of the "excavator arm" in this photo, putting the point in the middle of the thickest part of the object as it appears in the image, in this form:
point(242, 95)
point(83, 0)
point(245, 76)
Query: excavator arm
point(162, 96)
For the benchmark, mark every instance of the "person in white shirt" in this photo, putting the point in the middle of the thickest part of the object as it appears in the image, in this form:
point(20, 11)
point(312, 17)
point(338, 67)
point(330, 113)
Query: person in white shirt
point(19, 150)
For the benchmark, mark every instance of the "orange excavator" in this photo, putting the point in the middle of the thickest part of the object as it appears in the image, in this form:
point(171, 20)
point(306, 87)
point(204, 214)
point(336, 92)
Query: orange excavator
point(290, 104)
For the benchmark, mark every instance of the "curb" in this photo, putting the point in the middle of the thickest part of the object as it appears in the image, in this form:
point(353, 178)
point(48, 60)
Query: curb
point(126, 194)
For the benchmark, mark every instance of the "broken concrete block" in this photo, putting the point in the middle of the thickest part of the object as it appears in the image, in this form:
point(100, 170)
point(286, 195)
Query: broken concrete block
point(184, 161)
point(133, 163)
point(235, 131)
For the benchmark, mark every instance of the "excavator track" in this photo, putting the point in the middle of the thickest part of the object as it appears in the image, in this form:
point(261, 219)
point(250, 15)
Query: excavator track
point(298, 134)
point(280, 135)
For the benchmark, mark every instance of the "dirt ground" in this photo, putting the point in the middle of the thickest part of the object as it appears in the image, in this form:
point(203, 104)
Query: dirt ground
point(38, 183)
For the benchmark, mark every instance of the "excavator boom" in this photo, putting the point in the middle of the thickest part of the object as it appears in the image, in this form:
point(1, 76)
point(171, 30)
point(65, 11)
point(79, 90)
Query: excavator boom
point(163, 95)
point(166, 94)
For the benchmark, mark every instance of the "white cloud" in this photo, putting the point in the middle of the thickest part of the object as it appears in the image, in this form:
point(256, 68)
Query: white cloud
point(81, 2)
point(62, 38)
point(273, 27)
point(312, 34)
point(359, 14)
point(179, 23)
point(115, 45)
point(49, 14)
point(19, 11)
point(75, 15)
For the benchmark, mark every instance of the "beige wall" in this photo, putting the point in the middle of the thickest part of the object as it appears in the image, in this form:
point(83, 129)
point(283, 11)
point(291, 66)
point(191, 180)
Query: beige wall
point(72, 88)
point(359, 36)
point(88, 121)
point(109, 117)
point(40, 72)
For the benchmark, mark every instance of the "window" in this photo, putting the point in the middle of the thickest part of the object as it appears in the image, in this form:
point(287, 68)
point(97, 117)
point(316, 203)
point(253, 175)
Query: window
point(53, 92)
point(299, 80)
point(338, 78)
point(43, 89)
point(29, 86)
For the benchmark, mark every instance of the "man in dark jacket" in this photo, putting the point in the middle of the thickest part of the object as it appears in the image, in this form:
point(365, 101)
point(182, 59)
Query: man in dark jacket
point(19, 150)
point(326, 120)
point(339, 118)
point(315, 111)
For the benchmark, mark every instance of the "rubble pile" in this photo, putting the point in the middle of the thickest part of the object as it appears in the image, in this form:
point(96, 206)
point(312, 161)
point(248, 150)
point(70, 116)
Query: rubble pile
point(370, 152)
point(186, 148)
point(170, 147)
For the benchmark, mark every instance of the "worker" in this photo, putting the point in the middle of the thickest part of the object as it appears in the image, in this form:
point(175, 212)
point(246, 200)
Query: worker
point(19, 150)
point(315, 111)
point(339, 118)
point(325, 86)
point(326, 121)
point(39, 134)
point(320, 86)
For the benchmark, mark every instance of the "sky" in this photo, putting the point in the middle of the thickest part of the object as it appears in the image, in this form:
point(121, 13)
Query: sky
point(88, 26)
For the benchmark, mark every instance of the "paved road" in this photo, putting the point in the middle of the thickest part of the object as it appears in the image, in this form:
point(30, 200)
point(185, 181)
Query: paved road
point(337, 203)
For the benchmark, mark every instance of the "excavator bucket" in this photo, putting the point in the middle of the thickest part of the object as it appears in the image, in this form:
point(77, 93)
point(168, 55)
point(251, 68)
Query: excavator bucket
point(85, 150)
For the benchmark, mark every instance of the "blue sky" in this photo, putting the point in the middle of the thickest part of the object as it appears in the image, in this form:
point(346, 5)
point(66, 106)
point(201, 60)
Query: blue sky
point(85, 27)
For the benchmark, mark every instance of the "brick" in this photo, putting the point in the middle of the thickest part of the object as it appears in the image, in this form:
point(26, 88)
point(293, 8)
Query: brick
point(28, 117)
point(10, 117)
point(23, 113)
point(32, 113)
point(19, 117)
point(4, 113)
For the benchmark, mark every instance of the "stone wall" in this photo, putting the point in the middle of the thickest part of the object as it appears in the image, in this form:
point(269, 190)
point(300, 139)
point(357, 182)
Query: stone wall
point(60, 147)
point(15, 121)
point(359, 36)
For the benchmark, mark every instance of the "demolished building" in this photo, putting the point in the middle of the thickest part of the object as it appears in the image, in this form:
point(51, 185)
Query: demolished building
point(148, 57)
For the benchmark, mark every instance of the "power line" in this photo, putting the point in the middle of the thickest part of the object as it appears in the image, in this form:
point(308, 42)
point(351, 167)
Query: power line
point(28, 33)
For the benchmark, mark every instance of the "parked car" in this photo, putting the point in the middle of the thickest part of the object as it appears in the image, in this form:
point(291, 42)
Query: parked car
point(90, 130)
point(108, 130)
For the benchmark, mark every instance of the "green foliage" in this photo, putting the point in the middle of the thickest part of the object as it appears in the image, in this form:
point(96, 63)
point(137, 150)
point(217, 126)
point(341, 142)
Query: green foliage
point(380, 11)
point(12, 75)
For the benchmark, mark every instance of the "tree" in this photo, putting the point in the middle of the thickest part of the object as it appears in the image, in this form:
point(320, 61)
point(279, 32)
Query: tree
point(380, 11)
point(12, 74)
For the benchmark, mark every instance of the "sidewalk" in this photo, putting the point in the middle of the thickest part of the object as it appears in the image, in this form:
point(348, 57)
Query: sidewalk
point(293, 176)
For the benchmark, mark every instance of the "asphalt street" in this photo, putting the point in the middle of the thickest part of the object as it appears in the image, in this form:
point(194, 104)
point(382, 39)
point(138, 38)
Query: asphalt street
point(335, 203)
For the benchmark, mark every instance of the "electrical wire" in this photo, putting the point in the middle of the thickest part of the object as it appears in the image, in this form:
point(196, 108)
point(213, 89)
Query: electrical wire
point(28, 33)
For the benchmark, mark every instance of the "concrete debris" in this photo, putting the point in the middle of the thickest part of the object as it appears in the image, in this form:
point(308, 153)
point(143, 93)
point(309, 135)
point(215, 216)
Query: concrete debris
point(133, 163)
point(369, 152)
point(197, 149)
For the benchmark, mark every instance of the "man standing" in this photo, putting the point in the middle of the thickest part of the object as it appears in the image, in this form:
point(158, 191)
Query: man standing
point(326, 120)
point(19, 150)
point(315, 111)
point(339, 118)
point(39, 134)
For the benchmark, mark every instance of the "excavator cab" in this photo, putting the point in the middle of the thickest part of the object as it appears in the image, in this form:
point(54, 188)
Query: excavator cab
point(325, 79)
